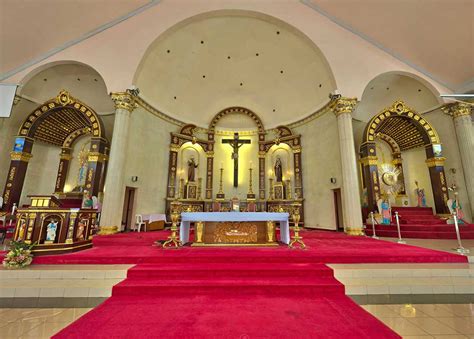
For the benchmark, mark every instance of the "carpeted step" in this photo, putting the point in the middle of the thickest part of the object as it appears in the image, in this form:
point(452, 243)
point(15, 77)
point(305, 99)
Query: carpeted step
point(229, 270)
point(228, 317)
point(243, 286)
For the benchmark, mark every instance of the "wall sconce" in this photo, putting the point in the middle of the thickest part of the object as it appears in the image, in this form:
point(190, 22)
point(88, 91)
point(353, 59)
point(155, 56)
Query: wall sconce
point(333, 180)
point(134, 179)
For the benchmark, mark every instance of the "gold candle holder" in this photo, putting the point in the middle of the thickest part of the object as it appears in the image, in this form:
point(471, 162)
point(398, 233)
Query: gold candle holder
point(296, 239)
point(288, 189)
point(181, 189)
point(271, 189)
point(173, 240)
point(199, 189)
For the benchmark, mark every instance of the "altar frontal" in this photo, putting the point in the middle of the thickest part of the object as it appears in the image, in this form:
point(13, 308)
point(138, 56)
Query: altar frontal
point(234, 228)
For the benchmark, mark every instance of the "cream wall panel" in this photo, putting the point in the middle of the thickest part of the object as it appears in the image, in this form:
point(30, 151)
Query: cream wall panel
point(147, 158)
point(321, 161)
point(42, 171)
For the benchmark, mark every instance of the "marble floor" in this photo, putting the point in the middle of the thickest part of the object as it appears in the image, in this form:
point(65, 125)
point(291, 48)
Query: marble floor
point(409, 320)
point(446, 245)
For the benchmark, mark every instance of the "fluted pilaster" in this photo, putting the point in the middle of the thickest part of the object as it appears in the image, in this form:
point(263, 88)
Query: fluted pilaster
point(350, 189)
point(114, 185)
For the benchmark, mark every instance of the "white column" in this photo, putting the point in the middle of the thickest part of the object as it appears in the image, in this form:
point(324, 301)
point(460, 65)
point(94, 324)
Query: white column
point(111, 217)
point(351, 207)
point(464, 132)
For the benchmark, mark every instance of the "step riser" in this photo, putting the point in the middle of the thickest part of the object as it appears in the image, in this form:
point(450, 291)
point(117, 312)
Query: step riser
point(230, 290)
point(191, 274)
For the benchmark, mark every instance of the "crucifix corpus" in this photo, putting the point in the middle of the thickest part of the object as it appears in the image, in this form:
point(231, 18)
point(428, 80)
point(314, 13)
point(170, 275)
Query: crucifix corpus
point(236, 143)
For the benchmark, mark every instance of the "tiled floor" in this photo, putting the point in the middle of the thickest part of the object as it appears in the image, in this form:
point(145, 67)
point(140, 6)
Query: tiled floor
point(36, 322)
point(410, 321)
point(427, 320)
point(438, 244)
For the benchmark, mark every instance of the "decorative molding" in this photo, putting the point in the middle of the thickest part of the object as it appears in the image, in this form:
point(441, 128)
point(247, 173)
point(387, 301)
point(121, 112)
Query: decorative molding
point(458, 109)
point(435, 162)
point(344, 105)
point(124, 100)
point(20, 156)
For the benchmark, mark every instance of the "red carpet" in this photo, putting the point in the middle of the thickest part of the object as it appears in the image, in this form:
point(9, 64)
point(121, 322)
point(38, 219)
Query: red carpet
point(419, 222)
point(234, 292)
point(323, 247)
point(248, 300)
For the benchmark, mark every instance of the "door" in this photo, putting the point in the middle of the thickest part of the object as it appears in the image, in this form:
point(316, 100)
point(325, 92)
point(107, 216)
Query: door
point(338, 209)
point(128, 207)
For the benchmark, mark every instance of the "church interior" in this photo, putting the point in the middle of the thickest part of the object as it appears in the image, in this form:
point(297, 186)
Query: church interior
point(237, 169)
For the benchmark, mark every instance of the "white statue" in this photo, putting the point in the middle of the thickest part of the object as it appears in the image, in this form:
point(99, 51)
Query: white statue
point(51, 230)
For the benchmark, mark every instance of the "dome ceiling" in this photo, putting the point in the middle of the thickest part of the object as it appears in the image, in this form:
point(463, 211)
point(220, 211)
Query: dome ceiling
point(206, 64)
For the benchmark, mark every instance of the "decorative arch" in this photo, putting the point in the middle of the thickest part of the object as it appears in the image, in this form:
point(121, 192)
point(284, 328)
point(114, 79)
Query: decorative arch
point(236, 110)
point(76, 112)
point(58, 121)
point(403, 129)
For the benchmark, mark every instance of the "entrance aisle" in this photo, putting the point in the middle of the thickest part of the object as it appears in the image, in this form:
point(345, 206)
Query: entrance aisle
point(246, 300)
point(235, 292)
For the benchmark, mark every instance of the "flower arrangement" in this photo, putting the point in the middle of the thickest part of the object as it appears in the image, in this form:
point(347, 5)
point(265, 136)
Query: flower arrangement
point(19, 255)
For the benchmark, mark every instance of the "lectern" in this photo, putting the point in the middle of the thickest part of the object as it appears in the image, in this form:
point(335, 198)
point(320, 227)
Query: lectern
point(54, 228)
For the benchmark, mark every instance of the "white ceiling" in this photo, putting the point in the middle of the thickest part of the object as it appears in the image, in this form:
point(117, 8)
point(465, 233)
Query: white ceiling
point(210, 63)
point(434, 36)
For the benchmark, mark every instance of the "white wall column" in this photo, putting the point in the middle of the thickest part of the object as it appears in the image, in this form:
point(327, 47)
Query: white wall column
point(461, 114)
point(111, 217)
point(351, 206)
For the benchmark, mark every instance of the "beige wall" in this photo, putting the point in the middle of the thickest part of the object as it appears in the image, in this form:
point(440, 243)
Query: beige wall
point(42, 171)
point(147, 158)
point(321, 161)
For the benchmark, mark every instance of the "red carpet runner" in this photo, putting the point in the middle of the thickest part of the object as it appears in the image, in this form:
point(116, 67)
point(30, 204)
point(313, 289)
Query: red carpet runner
point(419, 222)
point(234, 292)
point(228, 300)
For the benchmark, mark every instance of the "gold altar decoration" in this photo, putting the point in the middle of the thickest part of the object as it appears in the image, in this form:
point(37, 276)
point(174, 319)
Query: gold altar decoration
point(250, 194)
point(220, 195)
point(173, 240)
point(296, 239)
point(236, 233)
point(271, 231)
point(199, 231)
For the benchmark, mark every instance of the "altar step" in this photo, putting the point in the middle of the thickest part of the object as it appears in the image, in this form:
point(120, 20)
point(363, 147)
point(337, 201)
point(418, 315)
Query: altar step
point(249, 279)
point(229, 270)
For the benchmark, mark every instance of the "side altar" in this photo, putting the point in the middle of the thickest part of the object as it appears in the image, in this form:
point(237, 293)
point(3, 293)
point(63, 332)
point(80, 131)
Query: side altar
point(235, 228)
point(274, 184)
point(54, 228)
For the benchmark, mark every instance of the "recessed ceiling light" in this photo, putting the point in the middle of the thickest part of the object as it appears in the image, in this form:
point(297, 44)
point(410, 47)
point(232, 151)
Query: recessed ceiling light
point(174, 98)
point(278, 32)
point(241, 84)
point(203, 76)
point(202, 42)
point(256, 54)
point(228, 57)
point(168, 51)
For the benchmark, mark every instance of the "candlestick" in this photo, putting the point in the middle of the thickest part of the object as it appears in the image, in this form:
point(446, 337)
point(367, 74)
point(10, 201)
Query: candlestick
point(220, 195)
point(250, 194)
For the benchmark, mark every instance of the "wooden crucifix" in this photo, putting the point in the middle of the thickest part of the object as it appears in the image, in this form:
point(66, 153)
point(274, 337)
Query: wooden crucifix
point(236, 143)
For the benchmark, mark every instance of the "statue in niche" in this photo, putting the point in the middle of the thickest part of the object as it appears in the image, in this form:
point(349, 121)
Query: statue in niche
point(278, 170)
point(420, 194)
point(81, 226)
point(192, 169)
point(51, 230)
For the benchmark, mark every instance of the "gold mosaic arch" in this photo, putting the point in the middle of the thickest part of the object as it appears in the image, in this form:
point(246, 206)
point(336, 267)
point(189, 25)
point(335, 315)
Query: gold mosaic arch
point(68, 115)
point(71, 138)
point(236, 110)
point(400, 110)
point(390, 141)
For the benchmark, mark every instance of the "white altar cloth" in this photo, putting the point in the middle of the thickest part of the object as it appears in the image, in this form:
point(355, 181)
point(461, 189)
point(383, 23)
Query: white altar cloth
point(188, 217)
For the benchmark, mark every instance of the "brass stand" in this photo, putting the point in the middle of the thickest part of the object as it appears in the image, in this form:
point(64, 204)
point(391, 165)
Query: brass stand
point(173, 240)
point(250, 194)
point(296, 239)
point(220, 195)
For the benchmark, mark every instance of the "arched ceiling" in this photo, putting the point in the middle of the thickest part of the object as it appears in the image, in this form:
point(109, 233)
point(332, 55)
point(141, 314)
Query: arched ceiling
point(214, 61)
point(436, 37)
point(387, 88)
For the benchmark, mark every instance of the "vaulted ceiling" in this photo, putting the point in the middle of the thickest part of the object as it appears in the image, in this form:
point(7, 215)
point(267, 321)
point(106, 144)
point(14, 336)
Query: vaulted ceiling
point(435, 36)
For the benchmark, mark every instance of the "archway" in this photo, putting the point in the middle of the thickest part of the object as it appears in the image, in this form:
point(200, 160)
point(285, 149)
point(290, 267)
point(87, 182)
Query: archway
point(59, 121)
point(403, 129)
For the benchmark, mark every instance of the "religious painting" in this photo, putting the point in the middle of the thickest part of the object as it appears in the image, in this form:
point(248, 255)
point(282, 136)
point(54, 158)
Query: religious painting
point(19, 145)
point(437, 150)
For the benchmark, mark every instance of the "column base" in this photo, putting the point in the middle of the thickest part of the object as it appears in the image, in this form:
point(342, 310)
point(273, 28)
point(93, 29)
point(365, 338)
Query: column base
point(354, 231)
point(107, 230)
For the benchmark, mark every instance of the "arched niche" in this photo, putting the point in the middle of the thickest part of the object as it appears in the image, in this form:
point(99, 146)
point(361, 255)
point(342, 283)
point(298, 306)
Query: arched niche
point(403, 129)
point(59, 121)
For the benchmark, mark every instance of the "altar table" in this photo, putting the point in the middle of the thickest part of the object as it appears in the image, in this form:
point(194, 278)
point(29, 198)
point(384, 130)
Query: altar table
point(155, 221)
point(221, 217)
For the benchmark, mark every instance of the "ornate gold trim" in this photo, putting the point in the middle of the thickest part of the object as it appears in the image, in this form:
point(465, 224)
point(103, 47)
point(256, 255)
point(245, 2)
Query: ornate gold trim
point(124, 100)
point(436, 161)
point(458, 109)
point(107, 230)
point(369, 161)
point(20, 156)
point(354, 231)
point(344, 105)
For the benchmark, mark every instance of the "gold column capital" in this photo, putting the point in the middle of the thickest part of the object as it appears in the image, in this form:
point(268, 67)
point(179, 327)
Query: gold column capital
point(344, 105)
point(21, 156)
point(436, 161)
point(458, 109)
point(370, 160)
point(124, 100)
